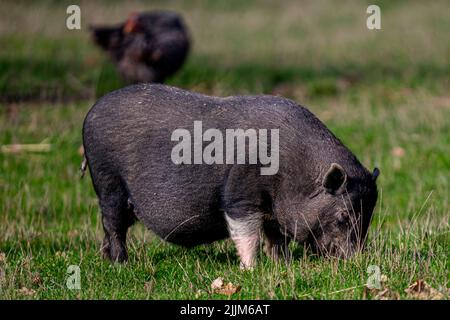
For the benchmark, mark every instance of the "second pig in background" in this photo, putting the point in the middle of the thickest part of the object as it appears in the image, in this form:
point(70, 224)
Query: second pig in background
point(147, 47)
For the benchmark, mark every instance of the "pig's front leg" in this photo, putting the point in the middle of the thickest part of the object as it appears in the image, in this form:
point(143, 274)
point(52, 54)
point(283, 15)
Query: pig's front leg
point(245, 231)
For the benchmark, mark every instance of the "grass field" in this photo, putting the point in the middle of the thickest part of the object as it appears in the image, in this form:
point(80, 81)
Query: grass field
point(384, 93)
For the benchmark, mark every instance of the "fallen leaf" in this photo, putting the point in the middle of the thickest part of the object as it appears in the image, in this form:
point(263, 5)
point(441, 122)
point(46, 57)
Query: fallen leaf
point(27, 292)
point(381, 294)
point(228, 289)
point(217, 283)
point(387, 294)
point(36, 279)
point(423, 291)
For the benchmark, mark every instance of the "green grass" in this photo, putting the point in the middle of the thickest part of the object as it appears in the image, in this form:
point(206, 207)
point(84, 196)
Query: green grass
point(385, 94)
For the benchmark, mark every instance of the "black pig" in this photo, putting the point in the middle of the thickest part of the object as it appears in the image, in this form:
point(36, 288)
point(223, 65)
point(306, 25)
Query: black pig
point(147, 47)
point(316, 192)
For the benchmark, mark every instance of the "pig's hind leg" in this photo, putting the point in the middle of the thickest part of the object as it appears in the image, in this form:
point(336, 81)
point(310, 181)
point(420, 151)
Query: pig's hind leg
point(245, 231)
point(117, 217)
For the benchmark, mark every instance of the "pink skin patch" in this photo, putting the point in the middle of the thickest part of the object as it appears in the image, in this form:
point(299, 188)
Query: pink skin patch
point(247, 246)
point(245, 232)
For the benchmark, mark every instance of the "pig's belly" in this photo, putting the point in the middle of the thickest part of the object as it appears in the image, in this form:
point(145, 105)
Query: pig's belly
point(192, 231)
point(186, 219)
point(189, 238)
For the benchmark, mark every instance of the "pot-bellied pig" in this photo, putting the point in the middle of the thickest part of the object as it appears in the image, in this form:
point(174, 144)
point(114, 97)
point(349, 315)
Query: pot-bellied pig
point(195, 169)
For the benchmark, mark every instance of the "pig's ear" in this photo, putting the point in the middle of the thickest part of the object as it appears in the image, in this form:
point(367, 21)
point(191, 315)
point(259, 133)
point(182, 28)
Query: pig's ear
point(334, 179)
point(375, 174)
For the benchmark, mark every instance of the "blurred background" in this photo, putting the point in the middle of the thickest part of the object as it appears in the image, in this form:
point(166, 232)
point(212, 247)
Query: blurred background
point(384, 93)
point(297, 48)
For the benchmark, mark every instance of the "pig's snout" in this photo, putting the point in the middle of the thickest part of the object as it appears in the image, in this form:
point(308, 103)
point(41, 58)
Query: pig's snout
point(337, 248)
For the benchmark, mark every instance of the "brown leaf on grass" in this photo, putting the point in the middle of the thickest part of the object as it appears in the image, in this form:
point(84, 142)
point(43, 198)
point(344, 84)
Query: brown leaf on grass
point(423, 291)
point(27, 292)
point(387, 294)
point(2, 257)
point(228, 289)
point(36, 279)
point(384, 294)
point(217, 283)
point(381, 294)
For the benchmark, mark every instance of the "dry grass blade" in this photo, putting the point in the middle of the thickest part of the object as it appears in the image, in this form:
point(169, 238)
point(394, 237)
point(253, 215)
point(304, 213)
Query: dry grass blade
point(18, 148)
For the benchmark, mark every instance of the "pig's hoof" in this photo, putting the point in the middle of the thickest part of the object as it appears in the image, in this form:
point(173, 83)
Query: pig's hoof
point(106, 255)
point(114, 250)
point(118, 258)
point(246, 267)
point(106, 250)
point(122, 258)
point(114, 254)
point(118, 253)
